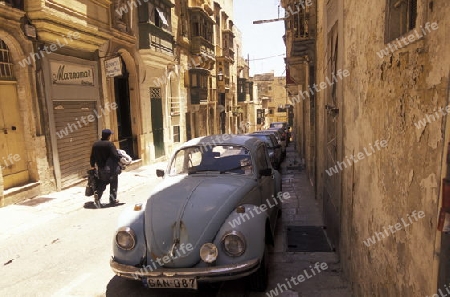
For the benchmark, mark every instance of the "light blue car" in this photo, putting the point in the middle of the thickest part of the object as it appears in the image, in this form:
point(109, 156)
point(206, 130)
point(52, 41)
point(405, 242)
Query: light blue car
point(210, 219)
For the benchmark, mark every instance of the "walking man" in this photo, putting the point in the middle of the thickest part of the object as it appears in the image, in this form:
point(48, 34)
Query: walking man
point(105, 155)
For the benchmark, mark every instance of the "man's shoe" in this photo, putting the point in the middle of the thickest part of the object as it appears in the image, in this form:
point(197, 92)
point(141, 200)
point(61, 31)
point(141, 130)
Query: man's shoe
point(113, 201)
point(97, 201)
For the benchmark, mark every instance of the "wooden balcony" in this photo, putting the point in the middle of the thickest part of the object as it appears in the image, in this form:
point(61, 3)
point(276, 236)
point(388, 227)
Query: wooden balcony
point(199, 95)
point(153, 37)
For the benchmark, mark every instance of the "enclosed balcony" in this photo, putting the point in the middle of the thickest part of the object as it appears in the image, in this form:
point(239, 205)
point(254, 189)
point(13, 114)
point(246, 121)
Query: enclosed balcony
point(202, 43)
point(198, 85)
point(300, 31)
point(155, 27)
point(153, 37)
point(228, 44)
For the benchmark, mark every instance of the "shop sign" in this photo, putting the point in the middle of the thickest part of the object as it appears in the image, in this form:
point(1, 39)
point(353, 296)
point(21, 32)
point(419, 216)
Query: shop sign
point(72, 74)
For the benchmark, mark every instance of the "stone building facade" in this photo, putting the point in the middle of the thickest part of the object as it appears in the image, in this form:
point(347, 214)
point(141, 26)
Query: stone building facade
point(148, 70)
point(375, 135)
point(273, 97)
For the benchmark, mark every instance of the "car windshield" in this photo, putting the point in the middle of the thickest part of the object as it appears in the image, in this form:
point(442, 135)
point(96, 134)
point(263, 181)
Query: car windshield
point(220, 158)
point(276, 125)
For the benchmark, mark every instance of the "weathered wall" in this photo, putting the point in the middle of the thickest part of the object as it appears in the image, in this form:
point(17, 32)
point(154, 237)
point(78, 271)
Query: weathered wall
point(30, 112)
point(384, 98)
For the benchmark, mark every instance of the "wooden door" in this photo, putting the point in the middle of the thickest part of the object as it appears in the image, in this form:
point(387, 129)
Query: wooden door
point(13, 155)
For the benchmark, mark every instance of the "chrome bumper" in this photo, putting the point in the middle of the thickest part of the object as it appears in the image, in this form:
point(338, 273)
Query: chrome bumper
point(202, 274)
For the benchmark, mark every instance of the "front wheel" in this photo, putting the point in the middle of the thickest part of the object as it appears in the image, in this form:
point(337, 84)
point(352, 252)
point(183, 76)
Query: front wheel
point(259, 279)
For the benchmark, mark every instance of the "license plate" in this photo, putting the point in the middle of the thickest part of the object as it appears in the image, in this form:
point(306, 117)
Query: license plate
point(172, 282)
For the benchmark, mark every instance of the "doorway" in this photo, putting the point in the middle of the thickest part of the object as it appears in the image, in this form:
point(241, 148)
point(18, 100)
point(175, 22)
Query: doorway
point(13, 155)
point(157, 121)
point(127, 141)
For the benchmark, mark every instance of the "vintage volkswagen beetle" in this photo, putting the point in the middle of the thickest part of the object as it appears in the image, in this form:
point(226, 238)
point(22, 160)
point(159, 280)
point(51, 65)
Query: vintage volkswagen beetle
point(210, 219)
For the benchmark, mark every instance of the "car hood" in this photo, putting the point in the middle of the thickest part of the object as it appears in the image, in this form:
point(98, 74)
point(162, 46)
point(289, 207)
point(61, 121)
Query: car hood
point(189, 210)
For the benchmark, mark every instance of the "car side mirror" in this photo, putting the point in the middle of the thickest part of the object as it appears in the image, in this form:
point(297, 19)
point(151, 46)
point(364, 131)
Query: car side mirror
point(159, 172)
point(265, 172)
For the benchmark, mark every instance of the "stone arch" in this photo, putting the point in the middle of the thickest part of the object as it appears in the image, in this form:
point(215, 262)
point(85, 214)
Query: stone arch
point(21, 49)
point(134, 97)
point(24, 77)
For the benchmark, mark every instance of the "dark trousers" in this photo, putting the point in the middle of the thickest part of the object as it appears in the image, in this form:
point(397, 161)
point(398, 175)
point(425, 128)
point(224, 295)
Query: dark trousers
point(113, 184)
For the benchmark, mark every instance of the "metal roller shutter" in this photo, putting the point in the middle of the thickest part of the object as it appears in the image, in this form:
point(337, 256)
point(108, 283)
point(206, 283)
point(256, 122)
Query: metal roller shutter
point(74, 138)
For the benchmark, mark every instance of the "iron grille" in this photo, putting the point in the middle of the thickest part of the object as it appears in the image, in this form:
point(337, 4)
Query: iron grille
point(6, 65)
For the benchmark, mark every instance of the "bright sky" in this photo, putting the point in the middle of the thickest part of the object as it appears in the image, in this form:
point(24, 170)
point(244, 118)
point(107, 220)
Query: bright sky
point(261, 40)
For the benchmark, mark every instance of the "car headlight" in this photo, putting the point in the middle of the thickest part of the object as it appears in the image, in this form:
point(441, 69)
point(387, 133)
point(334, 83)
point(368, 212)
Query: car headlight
point(234, 243)
point(208, 252)
point(126, 238)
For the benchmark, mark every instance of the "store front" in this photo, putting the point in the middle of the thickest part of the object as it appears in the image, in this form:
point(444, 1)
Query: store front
point(74, 115)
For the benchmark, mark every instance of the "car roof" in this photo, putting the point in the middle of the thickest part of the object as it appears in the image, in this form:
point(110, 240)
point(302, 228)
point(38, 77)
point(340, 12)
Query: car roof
point(270, 131)
point(228, 139)
point(262, 133)
point(268, 134)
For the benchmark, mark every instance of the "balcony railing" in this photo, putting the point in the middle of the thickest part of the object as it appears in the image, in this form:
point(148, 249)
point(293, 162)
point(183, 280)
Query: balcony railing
point(228, 53)
point(201, 45)
point(175, 106)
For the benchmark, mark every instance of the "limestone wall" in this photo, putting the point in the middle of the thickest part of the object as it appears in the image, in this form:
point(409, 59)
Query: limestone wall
point(387, 97)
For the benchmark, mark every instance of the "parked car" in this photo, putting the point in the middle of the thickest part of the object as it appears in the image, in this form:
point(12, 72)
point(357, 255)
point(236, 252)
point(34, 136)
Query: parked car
point(284, 133)
point(200, 223)
point(283, 125)
point(281, 140)
point(273, 147)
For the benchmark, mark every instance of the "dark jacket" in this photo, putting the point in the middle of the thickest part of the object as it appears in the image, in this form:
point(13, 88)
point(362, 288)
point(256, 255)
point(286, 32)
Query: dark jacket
point(105, 155)
point(102, 150)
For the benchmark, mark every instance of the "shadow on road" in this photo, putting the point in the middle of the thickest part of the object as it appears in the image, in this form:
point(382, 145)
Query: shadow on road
point(91, 205)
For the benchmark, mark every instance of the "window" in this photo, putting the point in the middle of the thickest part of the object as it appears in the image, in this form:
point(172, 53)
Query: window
point(300, 23)
point(157, 13)
point(176, 133)
point(259, 116)
point(6, 65)
point(155, 93)
point(400, 18)
point(241, 89)
point(227, 159)
point(199, 86)
point(202, 27)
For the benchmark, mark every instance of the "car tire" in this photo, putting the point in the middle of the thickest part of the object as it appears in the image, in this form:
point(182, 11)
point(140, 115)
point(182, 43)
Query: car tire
point(259, 279)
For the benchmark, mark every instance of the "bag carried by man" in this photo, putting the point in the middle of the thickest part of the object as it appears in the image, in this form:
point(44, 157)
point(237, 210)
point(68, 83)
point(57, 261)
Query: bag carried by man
point(106, 173)
point(92, 182)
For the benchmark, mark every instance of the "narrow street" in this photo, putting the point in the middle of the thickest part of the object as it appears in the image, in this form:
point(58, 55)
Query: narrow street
point(62, 246)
